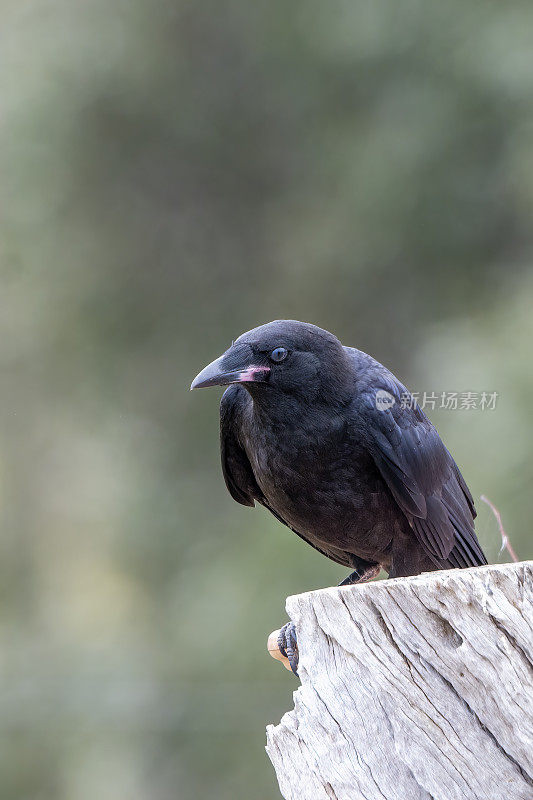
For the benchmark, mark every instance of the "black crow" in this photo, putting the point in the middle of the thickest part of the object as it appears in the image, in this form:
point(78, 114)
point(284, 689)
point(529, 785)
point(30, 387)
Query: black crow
point(328, 440)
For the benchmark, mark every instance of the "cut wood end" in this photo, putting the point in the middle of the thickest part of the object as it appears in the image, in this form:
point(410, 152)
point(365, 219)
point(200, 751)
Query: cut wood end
point(464, 626)
point(275, 652)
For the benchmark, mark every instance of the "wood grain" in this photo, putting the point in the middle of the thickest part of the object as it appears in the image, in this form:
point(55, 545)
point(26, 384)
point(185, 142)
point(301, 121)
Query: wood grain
point(418, 688)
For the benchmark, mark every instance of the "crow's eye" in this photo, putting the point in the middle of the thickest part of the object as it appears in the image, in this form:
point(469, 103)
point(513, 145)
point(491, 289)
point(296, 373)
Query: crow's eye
point(278, 354)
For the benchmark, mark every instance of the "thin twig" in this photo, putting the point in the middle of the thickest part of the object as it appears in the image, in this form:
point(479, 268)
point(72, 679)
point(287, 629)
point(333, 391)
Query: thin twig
point(506, 544)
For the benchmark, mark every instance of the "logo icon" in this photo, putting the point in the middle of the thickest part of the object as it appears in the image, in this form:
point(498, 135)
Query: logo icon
point(384, 400)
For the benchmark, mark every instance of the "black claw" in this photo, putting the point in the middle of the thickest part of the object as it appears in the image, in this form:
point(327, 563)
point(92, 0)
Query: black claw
point(288, 645)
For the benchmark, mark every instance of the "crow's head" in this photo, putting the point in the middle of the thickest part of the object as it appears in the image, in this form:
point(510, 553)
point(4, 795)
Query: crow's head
point(292, 357)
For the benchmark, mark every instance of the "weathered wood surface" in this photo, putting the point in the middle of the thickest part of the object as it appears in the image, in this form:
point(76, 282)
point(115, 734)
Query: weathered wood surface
point(412, 689)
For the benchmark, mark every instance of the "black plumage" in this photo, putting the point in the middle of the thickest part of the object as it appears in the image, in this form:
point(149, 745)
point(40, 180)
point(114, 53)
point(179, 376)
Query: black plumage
point(367, 483)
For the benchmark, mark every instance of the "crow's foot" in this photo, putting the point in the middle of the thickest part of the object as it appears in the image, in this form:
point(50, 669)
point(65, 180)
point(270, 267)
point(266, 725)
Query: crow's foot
point(362, 575)
point(288, 645)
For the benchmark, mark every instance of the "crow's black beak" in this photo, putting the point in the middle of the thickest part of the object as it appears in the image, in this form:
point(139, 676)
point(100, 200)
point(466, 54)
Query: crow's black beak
point(217, 374)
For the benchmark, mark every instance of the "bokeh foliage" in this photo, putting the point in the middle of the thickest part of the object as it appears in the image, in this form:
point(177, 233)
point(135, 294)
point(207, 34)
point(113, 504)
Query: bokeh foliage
point(174, 173)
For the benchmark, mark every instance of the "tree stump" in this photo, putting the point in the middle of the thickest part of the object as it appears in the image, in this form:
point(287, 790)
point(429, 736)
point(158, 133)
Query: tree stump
point(412, 689)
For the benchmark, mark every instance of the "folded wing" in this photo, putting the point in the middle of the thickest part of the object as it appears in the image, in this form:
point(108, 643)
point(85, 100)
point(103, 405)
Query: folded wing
point(421, 475)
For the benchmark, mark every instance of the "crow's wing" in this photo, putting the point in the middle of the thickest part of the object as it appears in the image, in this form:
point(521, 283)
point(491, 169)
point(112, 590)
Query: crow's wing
point(420, 473)
point(237, 470)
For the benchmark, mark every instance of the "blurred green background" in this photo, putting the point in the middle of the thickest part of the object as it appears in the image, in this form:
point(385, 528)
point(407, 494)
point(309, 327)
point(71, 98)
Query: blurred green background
point(174, 173)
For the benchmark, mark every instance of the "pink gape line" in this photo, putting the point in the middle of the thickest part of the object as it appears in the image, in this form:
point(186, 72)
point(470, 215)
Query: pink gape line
point(249, 374)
